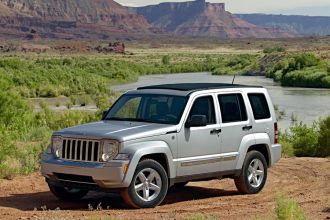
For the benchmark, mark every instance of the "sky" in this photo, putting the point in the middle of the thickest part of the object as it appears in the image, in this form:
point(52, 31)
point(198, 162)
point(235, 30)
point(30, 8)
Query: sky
point(303, 7)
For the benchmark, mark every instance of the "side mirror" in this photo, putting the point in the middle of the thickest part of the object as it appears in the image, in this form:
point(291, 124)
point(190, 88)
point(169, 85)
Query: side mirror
point(104, 114)
point(196, 121)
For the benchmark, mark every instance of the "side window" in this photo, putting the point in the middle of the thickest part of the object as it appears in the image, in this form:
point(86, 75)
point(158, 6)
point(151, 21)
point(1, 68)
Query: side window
point(232, 108)
point(204, 106)
point(259, 106)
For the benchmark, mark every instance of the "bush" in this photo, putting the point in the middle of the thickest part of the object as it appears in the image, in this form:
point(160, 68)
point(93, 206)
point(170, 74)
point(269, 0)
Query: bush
point(81, 100)
point(274, 49)
point(166, 60)
point(9, 168)
point(287, 148)
point(304, 141)
point(288, 209)
point(297, 69)
point(324, 138)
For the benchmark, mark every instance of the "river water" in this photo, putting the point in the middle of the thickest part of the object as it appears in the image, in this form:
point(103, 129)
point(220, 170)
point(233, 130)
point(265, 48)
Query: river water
point(304, 103)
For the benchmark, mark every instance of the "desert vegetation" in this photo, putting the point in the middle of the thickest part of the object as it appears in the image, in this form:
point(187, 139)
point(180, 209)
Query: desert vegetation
point(87, 78)
point(297, 69)
point(307, 141)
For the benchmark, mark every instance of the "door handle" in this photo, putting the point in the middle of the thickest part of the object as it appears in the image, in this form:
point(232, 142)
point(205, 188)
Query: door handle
point(247, 128)
point(215, 131)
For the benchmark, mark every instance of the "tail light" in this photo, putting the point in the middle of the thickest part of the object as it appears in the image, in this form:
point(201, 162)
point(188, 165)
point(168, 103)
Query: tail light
point(275, 133)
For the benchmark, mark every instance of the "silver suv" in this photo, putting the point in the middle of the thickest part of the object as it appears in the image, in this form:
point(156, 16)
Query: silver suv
point(164, 136)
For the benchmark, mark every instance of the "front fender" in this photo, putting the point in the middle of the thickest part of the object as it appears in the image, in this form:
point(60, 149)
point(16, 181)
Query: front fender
point(138, 150)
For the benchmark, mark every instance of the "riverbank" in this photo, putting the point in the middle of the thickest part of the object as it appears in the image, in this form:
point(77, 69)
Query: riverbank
point(88, 78)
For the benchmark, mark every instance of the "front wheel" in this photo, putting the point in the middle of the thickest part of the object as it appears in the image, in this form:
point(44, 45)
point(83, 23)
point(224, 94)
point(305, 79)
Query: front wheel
point(253, 175)
point(148, 187)
point(67, 194)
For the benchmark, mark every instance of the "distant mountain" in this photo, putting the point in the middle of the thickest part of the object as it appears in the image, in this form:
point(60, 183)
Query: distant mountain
point(104, 19)
point(308, 11)
point(200, 18)
point(72, 19)
point(302, 25)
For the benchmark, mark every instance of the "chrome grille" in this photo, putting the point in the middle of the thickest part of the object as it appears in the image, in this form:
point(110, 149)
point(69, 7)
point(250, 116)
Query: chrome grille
point(80, 150)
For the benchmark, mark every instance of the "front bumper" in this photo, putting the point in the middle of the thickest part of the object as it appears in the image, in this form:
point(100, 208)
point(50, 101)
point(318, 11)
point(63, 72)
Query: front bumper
point(276, 153)
point(109, 175)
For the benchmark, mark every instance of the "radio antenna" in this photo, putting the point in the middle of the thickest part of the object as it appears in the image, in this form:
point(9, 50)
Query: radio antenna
point(233, 80)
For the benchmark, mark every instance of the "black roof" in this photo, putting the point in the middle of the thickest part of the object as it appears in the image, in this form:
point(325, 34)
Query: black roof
point(197, 86)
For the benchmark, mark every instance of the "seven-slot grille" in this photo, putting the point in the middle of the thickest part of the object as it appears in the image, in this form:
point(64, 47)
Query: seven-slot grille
point(80, 150)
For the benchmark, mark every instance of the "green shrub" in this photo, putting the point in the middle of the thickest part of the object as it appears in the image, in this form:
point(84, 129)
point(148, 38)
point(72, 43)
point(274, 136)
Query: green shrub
point(287, 148)
point(288, 209)
point(38, 134)
point(29, 157)
point(103, 102)
point(274, 49)
point(166, 60)
point(297, 69)
point(324, 138)
point(81, 100)
point(69, 105)
point(9, 168)
point(304, 140)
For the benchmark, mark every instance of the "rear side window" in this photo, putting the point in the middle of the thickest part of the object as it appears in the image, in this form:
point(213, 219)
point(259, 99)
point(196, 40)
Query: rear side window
point(259, 106)
point(232, 108)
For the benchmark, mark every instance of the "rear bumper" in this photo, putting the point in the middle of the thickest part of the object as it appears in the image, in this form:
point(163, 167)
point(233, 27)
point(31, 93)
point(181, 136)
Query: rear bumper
point(102, 175)
point(276, 152)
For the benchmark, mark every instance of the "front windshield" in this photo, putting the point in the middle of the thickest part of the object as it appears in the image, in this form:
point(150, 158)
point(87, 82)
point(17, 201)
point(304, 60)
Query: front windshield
point(162, 109)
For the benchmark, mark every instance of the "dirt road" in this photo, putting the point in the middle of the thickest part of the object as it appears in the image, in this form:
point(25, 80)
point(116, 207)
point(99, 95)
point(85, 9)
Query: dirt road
point(304, 179)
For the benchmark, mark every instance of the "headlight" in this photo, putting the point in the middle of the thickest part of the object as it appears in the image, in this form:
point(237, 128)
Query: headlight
point(110, 150)
point(56, 146)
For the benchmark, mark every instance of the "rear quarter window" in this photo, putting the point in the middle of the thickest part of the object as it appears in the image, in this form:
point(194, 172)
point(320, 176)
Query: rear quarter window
point(259, 106)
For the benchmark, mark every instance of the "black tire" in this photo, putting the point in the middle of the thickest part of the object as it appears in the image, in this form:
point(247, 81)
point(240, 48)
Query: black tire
point(67, 194)
point(133, 198)
point(242, 183)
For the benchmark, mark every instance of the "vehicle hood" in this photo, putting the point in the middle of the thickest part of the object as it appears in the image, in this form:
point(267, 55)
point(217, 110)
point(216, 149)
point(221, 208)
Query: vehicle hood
point(119, 130)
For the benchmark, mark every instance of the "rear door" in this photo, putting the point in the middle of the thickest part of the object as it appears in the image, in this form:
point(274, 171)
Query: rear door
point(235, 124)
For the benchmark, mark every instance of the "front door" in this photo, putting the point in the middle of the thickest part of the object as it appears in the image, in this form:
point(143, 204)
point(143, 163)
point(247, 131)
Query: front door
point(198, 147)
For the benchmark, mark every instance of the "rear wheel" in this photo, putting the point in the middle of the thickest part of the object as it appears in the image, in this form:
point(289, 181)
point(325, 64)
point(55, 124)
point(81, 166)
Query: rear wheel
point(148, 187)
point(253, 175)
point(67, 194)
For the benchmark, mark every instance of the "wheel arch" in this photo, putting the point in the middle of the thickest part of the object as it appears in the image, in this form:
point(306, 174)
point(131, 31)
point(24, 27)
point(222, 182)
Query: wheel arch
point(263, 149)
point(156, 150)
point(259, 142)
